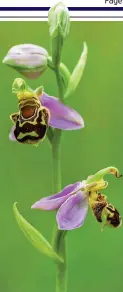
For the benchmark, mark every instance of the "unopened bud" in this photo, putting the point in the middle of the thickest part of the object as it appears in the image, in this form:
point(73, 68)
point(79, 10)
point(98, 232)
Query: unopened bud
point(59, 20)
point(30, 60)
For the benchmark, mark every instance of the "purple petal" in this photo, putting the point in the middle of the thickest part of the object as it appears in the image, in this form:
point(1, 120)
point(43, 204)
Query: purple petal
point(55, 201)
point(11, 135)
point(62, 117)
point(73, 212)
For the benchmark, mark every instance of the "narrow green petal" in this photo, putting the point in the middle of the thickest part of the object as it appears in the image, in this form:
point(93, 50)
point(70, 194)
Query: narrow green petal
point(34, 236)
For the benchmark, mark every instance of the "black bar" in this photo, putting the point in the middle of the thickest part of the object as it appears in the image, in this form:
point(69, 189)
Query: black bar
point(70, 8)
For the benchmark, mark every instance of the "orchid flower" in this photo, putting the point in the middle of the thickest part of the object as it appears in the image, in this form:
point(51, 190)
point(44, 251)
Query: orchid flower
point(73, 201)
point(38, 111)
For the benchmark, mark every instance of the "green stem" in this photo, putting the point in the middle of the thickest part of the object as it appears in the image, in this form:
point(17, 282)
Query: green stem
point(50, 135)
point(63, 70)
point(59, 245)
point(58, 239)
point(56, 161)
point(60, 85)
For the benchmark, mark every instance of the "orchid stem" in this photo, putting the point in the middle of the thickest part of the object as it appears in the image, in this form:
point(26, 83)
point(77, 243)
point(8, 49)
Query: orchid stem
point(60, 84)
point(58, 238)
point(56, 161)
point(59, 245)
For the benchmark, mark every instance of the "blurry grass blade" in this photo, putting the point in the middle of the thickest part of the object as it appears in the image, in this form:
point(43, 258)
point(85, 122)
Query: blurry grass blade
point(77, 72)
point(34, 236)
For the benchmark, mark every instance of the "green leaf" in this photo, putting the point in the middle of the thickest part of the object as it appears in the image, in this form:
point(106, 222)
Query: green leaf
point(34, 236)
point(77, 73)
point(65, 74)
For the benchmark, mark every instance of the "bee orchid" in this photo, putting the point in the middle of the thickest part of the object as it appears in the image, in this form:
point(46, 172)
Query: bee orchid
point(73, 201)
point(38, 111)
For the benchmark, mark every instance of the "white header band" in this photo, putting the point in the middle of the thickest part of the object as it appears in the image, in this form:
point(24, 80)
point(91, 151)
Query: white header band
point(69, 3)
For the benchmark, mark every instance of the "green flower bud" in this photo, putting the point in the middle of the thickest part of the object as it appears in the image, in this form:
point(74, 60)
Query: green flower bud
point(59, 25)
point(59, 20)
point(30, 60)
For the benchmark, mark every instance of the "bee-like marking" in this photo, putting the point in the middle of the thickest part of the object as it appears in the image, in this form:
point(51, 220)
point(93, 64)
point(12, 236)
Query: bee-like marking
point(113, 216)
point(102, 208)
point(97, 204)
point(31, 122)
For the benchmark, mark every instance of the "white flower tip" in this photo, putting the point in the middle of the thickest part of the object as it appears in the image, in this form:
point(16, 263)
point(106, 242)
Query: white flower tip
point(12, 137)
point(80, 122)
point(4, 61)
point(33, 206)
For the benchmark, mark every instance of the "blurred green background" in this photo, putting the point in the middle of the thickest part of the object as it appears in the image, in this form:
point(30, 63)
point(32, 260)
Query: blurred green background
point(95, 258)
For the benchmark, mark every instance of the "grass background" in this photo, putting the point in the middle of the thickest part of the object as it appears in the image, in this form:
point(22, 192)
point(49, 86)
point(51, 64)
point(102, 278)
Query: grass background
point(95, 258)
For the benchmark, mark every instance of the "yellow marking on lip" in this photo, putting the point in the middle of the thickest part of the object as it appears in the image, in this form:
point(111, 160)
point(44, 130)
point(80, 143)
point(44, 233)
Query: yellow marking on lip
point(32, 134)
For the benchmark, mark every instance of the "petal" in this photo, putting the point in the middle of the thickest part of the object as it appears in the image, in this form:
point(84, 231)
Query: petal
point(11, 135)
point(62, 117)
point(55, 201)
point(73, 212)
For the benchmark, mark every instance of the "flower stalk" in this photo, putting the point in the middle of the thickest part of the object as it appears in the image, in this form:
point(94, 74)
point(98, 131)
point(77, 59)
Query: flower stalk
point(56, 147)
point(59, 246)
point(60, 85)
point(58, 238)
